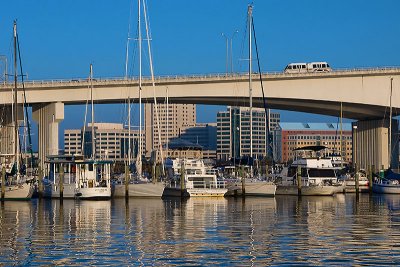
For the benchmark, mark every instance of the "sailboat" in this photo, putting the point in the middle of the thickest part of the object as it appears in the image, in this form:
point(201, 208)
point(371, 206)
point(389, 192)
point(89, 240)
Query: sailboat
point(79, 176)
point(140, 186)
point(388, 182)
point(16, 185)
point(251, 186)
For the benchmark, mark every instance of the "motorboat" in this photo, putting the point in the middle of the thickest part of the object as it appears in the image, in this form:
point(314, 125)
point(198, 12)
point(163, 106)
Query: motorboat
point(317, 175)
point(195, 183)
point(72, 176)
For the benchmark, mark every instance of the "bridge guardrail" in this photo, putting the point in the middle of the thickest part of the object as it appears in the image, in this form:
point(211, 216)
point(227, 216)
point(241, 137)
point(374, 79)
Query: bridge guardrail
point(217, 76)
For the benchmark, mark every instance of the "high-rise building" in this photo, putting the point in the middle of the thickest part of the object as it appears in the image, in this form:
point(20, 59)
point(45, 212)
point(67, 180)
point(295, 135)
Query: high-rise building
point(233, 132)
point(292, 135)
point(111, 141)
point(173, 119)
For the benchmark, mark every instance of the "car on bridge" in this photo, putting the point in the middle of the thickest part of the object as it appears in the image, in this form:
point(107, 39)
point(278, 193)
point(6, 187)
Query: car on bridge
point(307, 67)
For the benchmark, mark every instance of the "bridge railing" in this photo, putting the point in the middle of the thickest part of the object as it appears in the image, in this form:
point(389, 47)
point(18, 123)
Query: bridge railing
point(213, 76)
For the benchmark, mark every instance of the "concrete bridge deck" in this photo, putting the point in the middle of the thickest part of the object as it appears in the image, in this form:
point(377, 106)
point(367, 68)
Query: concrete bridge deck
point(365, 93)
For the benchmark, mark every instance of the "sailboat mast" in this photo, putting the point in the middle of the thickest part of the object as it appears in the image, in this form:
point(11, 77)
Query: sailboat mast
point(139, 160)
point(154, 86)
point(91, 99)
point(249, 13)
point(129, 92)
point(16, 138)
point(390, 123)
point(341, 135)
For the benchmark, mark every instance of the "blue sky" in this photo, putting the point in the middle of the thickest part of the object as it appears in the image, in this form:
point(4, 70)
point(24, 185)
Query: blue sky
point(59, 39)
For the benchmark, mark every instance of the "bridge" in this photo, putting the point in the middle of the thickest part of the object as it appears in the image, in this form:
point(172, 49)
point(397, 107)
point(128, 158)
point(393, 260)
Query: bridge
point(365, 96)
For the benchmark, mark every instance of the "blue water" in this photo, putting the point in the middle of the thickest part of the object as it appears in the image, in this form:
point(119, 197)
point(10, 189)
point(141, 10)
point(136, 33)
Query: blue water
point(311, 231)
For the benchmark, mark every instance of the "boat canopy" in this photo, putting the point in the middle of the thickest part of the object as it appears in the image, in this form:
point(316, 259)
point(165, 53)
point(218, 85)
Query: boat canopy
point(310, 148)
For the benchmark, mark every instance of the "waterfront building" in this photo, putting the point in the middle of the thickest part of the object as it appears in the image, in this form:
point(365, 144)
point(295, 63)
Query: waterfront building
point(233, 132)
point(179, 148)
point(292, 135)
point(173, 119)
point(111, 141)
point(203, 134)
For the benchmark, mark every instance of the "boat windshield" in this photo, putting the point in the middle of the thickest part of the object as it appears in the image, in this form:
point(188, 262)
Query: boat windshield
point(321, 173)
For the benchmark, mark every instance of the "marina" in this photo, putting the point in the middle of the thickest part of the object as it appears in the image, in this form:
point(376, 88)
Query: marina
point(340, 230)
point(223, 135)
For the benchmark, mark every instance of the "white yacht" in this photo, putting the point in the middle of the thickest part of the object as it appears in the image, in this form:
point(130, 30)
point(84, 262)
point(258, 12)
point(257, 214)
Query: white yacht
point(318, 176)
point(82, 179)
point(196, 182)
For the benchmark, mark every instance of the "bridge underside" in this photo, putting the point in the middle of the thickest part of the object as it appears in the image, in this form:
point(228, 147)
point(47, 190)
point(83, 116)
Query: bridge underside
point(330, 108)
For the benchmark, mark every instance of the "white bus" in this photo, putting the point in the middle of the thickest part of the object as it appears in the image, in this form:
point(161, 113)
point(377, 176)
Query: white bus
point(307, 67)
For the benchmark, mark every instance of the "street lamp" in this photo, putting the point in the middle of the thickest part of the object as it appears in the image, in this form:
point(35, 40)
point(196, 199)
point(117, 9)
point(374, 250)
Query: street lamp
point(229, 60)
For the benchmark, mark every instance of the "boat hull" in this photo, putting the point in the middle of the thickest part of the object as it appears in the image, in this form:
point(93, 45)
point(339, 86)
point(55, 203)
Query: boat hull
point(154, 190)
point(386, 189)
point(70, 191)
point(194, 192)
point(19, 192)
point(175, 192)
point(258, 188)
point(94, 193)
point(51, 190)
point(309, 190)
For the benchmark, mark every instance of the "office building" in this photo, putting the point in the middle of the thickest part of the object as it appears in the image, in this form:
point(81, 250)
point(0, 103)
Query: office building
point(233, 132)
point(292, 135)
point(111, 141)
point(173, 119)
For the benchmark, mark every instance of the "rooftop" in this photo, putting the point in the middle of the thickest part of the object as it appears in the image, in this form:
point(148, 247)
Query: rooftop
point(314, 126)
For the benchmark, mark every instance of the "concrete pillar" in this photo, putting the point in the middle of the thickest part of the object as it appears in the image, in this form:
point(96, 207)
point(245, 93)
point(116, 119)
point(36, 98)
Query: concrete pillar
point(6, 131)
point(48, 118)
point(372, 143)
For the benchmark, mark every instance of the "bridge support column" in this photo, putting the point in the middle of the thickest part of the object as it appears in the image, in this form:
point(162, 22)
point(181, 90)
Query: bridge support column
point(6, 131)
point(48, 118)
point(371, 144)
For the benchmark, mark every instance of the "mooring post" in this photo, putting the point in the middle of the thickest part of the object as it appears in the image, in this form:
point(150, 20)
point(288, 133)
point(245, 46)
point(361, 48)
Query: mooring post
point(298, 173)
point(61, 181)
point(40, 182)
point(371, 177)
point(356, 177)
point(243, 181)
point(126, 181)
point(182, 180)
point(3, 183)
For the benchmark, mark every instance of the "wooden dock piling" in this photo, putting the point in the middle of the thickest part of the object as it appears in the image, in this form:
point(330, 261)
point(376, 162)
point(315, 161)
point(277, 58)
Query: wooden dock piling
point(61, 181)
point(370, 177)
point(40, 182)
point(3, 183)
point(298, 176)
point(357, 179)
point(126, 181)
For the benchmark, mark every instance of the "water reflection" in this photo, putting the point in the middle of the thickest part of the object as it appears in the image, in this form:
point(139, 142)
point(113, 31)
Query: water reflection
point(342, 230)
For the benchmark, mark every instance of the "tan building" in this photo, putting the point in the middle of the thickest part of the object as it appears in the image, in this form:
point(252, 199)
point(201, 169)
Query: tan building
point(173, 118)
point(111, 141)
point(292, 135)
